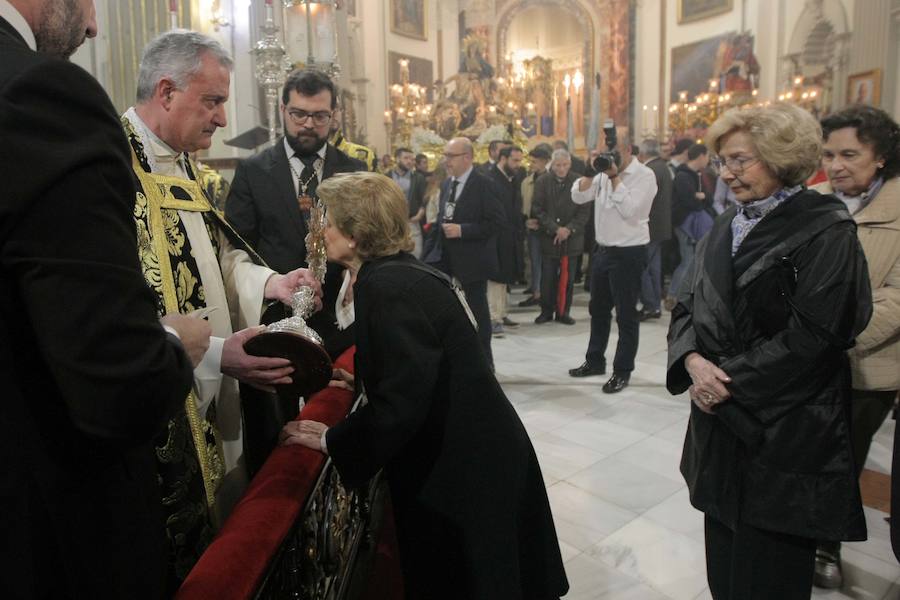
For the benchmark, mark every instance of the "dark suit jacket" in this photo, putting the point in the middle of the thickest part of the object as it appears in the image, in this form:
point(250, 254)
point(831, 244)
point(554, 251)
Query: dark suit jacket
point(553, 208)
point(661, 211)
point(88, 375)
point(416, 197)
point(262, 208)
point(262, 204)
point(510, 237)
point(463, 475)
point(472, 257)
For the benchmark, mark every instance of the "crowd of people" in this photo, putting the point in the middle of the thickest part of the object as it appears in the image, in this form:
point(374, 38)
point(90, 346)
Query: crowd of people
point(135, 418)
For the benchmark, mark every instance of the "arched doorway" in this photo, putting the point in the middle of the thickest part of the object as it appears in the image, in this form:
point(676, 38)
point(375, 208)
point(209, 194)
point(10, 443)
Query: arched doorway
point(562, 32)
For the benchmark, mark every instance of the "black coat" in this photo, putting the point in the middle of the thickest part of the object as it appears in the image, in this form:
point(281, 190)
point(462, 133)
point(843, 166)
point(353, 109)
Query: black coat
point(552, 206)
point(661, 212)
point(473, 519)
point(472, 257)
point(88, 375)
point(685, 184)
point(776, 455)
point(510, 237)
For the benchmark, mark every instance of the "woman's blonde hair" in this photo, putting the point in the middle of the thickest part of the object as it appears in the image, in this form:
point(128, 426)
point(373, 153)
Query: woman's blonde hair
point(788, 140)
point(371, 209)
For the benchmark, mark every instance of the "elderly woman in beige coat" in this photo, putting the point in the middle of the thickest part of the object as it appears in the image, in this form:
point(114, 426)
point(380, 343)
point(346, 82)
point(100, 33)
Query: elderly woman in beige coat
point(861, 156)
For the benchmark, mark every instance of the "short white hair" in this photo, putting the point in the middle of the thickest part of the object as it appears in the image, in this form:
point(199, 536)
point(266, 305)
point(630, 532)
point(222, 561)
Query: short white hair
point(560, 155)
point(176, 55)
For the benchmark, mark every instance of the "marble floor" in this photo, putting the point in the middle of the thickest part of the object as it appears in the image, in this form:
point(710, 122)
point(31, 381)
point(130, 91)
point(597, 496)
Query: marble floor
point(610, 462)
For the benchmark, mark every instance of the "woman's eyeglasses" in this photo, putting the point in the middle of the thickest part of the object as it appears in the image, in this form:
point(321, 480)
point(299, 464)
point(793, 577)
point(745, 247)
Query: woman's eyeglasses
point(736, 165)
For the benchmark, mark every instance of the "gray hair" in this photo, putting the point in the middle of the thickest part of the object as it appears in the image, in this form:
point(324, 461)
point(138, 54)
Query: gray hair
point(650, 147)
point(176, 55)
point(560, 154)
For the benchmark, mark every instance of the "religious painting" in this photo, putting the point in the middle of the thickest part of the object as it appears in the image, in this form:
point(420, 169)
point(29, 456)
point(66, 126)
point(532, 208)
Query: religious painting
point(695, 65)
point(408, 18)
point(421, 72)
point(864, 88)
point(694, 10)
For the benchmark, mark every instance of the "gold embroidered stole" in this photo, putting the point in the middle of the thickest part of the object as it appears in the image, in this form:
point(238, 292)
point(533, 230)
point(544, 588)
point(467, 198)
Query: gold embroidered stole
point(159, 199)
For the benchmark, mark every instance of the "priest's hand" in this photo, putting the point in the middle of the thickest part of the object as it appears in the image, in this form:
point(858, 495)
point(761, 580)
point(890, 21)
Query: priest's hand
point(303, 433)
point(282, 287)
point(261, 372)
point(194, 334)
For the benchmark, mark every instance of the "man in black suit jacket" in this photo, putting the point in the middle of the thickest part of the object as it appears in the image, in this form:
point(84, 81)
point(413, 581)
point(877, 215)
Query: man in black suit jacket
point(89, 376)
point(464, 245)
point(413, 185)
point(268, 205)
point(660, 230)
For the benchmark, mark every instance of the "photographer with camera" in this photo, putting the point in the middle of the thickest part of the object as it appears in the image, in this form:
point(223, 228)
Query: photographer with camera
point(623, 192)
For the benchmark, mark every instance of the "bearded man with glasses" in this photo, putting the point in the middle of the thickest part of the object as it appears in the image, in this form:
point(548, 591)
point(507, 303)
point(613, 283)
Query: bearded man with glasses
point(268, 205)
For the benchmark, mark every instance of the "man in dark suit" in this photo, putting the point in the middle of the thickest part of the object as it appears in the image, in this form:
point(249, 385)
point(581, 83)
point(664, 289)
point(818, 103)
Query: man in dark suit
point(510, 238)
point(89, 376)
point(269, 206)
point(465, 244)
point(660, 230)
point(413, 185)
point(272, 191)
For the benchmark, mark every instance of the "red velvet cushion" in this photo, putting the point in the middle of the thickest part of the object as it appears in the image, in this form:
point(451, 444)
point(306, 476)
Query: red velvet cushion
point(234, 564)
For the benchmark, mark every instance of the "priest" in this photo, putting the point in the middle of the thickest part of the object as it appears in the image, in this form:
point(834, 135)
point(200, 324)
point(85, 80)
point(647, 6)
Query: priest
point(195, 262)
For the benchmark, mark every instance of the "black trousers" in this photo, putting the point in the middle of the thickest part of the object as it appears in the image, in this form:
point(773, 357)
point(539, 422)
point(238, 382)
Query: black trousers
point(550, 271)
point(869, 409)
point(476, 297)
point(615, 282)
point(755, 564)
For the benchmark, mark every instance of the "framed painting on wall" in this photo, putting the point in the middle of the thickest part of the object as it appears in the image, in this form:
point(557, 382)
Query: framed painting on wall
point(408, 18)
point(695, 65)
point(864, 88)
point(694, 10)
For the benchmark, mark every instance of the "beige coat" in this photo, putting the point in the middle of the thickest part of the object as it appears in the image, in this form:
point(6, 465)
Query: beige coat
point(875, 359)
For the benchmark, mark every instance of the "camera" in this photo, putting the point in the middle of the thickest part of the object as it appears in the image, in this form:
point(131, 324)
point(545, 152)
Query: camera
point(602, 162)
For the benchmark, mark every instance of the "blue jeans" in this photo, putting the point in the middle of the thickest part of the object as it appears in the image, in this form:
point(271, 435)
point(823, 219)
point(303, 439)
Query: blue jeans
point(686, 246)
point(651, 280)
point(534, 256)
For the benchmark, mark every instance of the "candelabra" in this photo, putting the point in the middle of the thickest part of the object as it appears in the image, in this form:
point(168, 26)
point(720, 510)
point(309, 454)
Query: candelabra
point(272, 65)
point(691, 119)
point(409, 108)
point(321, 33)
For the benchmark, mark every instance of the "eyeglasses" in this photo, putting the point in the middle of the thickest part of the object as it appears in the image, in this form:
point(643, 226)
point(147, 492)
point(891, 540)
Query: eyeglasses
point(299, 117)
point(736, 165)
point(454, 154)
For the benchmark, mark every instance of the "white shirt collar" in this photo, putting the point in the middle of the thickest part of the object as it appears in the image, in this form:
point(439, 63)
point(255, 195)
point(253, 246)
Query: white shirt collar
point(15, 18)
point(163, 158)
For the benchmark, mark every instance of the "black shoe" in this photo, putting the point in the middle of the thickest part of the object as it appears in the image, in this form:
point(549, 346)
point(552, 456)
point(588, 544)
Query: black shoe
point(649, 314)
point(543, 318)
point(507, 322)
point(528, 291)
point(565, 320)
point(586, 370)
point(616, 383)
point(529, 302)
point(828, 573)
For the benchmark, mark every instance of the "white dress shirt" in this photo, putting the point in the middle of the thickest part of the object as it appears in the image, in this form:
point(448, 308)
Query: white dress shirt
point(621, 215)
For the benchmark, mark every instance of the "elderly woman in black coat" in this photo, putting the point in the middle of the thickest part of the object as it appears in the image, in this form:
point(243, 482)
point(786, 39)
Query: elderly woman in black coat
point(776, 294)
point(473, 519)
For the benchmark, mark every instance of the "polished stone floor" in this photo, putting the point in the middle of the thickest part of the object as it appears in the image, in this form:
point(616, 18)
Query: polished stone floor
point(610, 462)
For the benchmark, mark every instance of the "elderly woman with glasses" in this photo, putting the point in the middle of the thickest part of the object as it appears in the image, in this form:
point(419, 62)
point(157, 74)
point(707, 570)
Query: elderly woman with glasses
point(777, 292)
point(862, 161)
point(473, 519)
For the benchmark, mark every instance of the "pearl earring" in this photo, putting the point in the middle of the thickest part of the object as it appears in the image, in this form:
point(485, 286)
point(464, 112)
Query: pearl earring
point(352, 245)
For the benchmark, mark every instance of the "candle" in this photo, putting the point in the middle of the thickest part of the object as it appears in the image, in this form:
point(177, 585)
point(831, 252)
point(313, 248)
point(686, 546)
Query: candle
point(387, 117)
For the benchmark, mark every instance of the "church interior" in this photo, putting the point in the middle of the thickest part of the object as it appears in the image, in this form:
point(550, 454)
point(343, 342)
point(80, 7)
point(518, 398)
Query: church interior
point(576, 74)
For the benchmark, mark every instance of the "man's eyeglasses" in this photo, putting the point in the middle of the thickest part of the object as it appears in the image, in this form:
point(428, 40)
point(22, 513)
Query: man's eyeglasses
point(299, 117)
point(736, 165)
point(454, 154)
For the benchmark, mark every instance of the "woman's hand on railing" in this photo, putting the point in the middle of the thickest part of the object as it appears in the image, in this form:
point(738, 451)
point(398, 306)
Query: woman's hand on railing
point(303, 433)
point(342, 379)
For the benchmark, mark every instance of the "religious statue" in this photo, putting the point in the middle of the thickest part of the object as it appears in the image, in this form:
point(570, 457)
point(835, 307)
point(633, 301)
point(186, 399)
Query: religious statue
point(736, 65)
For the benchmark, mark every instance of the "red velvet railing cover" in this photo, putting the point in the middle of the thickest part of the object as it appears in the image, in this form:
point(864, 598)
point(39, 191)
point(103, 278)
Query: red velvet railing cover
point(234, 564)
